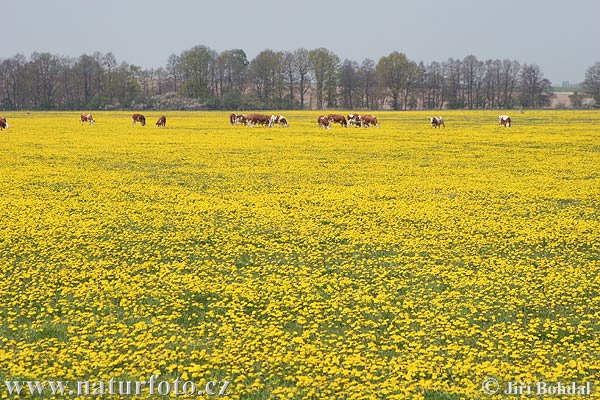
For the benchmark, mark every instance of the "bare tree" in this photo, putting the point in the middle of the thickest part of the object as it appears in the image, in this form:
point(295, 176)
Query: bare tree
point(536, 91)
point(473, 72)
point(324, 65)
point(349, 81)
point(265, 73)
point(510, 80)
point(369, 83)
point(289, 70)
point(174, 68)
point(14, 82)
point(302, 66)
point(591, 84)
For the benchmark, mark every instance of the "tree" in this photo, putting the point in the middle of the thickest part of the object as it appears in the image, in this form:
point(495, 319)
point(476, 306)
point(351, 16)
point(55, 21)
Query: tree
point(576, 100)
point(536, 91)
point(434, 86)
point(396, 73)
point(88, 74)
point(472, 74)
point(44, 69)
point(349, 80)
point(324, 66)
point(196, 66)
point(265, 73)
point(289, 70)
point(232, 71)
point(302, 67)
point(509, 76)
point(174, 69)
point(453, 83)
point(591, 84)
point(369, 83)
point(14, 82)
point(491, 84)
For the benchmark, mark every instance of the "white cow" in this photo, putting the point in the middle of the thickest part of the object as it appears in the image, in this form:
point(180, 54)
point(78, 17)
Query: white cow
point(278, 119)
point(436, 122)
point(504, 120)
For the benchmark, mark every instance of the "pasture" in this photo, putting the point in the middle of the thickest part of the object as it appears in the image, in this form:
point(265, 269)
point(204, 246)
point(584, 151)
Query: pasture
point(302, 263)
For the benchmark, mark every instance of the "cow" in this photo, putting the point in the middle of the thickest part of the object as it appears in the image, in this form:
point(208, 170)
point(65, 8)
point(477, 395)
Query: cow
point(280, 120)
point(235, 119)
point(354, 119)
point(162, 121)
point(369, 120)
point(255, 119)
point(436, 122)
point(87, 118)
point(338, 118)
point(138, 118)
point(324, 122)
point(241, 119)
point(3, 123)
point(504, 120)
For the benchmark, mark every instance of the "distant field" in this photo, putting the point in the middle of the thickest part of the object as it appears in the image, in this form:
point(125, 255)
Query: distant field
point(302, 263)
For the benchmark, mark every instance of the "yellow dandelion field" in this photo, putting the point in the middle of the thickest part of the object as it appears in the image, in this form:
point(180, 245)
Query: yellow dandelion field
point(301, 263)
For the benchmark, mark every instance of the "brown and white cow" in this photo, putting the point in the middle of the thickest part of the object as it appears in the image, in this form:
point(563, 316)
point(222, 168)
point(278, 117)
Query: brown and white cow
point(235, 119)
point(368, 120)
point(138, 118)
point(279, 120)
point(504, 120)
point(3, 123)
point(87, 118)
point(324, 122)
point(337, 118)
point(241, 119)
point(258, 119)
point(436, 122)
point(354, 119)
point(162, 121)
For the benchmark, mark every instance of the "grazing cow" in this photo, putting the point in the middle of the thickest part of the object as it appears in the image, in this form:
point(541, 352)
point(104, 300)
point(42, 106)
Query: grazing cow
point(354, 119)
point(241, 119)
point(235, 119)
point(436, 122)
point(87, 118)
point(138, 118)
point(337, 118)
point(280, 120)
point(369, 120)
point(324, 122)
point(258, 119)
point(3, 123)
point(504, 120)
point(162, 121)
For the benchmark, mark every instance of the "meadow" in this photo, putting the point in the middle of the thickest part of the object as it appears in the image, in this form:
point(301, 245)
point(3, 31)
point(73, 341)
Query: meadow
point(384, 263)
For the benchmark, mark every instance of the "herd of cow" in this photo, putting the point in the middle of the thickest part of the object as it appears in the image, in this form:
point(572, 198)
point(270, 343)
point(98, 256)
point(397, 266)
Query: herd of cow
point(325, 121)
point(356, 120)
point(258, 119)
point(253, 120)
point(135, 118)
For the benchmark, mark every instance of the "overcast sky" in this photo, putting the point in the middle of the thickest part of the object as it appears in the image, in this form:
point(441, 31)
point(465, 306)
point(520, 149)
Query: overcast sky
point(562, 37)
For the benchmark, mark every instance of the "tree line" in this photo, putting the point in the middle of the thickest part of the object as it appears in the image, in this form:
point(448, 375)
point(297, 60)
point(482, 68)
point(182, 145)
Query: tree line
point(202, 78)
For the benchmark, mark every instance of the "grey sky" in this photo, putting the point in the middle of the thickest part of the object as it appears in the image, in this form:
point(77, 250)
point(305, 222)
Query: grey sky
point(560, 36)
